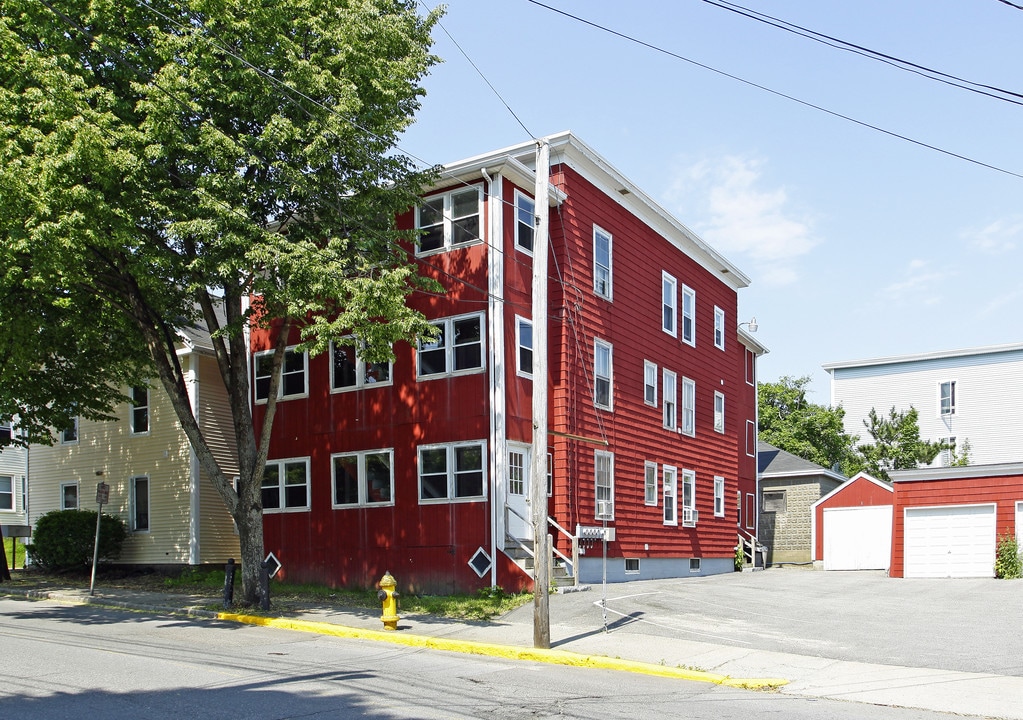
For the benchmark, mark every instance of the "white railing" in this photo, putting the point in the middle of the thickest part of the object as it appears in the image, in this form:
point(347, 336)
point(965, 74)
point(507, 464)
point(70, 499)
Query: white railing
point(571, 562)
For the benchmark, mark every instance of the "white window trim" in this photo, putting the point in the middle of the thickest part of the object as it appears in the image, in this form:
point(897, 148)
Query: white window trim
point(78, 433)
point(78, 495)
point(14, 494)
point(689, 514)
point(632, 571)
point(751, 511)
point(449, 348)
point(363, 489)
point(133, 505)
point(519, 347)
point(668, 375)
point(610, 457)
point(751, 368)
point(451, 475)
point(281, 487)
point(610, 263)
point(719, 412)
point(361, 371)
point(719, 328)
point(954, 399)
point(669, 486)
point(719, 496)
point(672, 302)
point(448, 221)
point(650, 381)
point(650, 484)
point(280, 385)
point(751, 439)
point(688, 294)
point(688, 407)
point(132, 407)
point(602, 344)
point(519, 197)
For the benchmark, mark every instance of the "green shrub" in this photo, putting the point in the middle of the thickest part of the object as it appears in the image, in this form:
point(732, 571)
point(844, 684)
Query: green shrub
point(64, 539)
point(1007, 561)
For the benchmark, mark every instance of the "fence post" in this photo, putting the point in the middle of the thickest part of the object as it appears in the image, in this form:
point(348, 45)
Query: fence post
point(229, 584)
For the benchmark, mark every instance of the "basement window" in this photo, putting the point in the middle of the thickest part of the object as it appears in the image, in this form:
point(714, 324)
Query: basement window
point(774, 501)
point(695, 564)
point(632, 566)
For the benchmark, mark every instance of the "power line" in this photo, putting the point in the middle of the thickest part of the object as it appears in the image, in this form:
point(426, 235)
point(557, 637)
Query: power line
point(1011, 4)
point(777, 93)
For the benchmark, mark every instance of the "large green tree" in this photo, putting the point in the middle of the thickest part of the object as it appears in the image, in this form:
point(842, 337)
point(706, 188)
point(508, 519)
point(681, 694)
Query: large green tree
point(164, 161)
point(896, 444)
point(788, 420)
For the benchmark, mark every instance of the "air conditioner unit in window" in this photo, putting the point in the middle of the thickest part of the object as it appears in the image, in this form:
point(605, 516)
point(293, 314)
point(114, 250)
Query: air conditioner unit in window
point(690, 516)
point(605, 510)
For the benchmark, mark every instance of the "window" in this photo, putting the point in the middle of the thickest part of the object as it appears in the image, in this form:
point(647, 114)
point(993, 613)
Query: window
point(774, 501)
point(458, 347)
point(348, 371)
point(751, 368)
point(524, 342)
point(694, 565)
point(525, 222)
point(947, 397)
point(293, 375)
point(139, 410)
point(650, 483)
point(451, 472)
point(140, 504)
point(449, 220)
point(750, 511)
point(719, 497)
point(649, 383)
point(688, 315)
point(689, 514)
point(363, 478)
point(5, 434)
point(670, 495)
point(603, 484)
point(69, 435)
point(6, 492)
point(669, 304)
point(601, 262)
point(688, 406)
point(751, 438)
point(602, 395)
point(949, 453)
point(286, 485)
point(670, 400)
point(632, 566)
point(719, 412)
point(516, 472)
point(719, 328)
point(550, 474)
point(69, 496)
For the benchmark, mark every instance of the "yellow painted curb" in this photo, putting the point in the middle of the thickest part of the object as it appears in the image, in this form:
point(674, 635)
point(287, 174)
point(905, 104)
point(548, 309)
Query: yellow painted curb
point(555, 657)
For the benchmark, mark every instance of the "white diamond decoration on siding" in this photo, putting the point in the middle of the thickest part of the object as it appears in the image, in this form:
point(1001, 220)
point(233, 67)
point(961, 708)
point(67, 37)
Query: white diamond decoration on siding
point(480, 562)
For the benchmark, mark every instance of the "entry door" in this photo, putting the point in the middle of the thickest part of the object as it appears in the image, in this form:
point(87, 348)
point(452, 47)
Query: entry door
point(518, 514)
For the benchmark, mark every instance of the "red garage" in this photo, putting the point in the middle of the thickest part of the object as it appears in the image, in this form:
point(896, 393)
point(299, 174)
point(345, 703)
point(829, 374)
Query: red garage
point(852, 525)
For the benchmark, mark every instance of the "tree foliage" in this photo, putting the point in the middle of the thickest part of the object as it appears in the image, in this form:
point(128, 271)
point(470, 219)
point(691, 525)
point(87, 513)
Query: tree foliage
point(896, 444)
point(65, 539)
point(789, 421)
point(163, 162)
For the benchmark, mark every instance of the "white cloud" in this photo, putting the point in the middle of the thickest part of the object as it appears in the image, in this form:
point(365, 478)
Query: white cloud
point(920, 284)
point(737, 216)
point(996, 238)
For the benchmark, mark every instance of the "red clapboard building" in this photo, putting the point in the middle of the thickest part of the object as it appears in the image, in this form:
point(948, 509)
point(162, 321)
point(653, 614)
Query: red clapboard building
point(421, 467)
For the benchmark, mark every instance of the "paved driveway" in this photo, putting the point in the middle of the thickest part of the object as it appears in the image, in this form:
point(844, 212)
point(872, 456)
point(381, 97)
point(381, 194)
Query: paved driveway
point(971, 625)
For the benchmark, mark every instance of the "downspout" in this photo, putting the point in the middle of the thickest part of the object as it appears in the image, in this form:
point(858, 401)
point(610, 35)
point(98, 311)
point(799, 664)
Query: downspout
point(495, 328)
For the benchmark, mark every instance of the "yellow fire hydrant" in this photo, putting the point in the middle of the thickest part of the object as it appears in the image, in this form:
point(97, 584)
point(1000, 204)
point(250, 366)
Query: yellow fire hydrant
point(389, 597)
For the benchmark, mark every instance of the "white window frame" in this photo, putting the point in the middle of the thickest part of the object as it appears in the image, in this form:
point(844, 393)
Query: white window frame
point(550, 474)
point(448, 221)
point(525, 214)
point(669, 410)
point(603, 484)
point(751, 368)
point(632, 566)
point(524, 349)
point(669, 304)
point(363, 494)
point(603, 277)
point(282, 485)
point(719, 328)
point(719, 412)
point(951, 385)
point(137, 410)
point(946, 455)
point(650, 383)
point(366, 375)
point(3, 493)
point(751, 439)
point(719, 496)
point(688, 418)
point(650, 483)
point(669, 485)
point(689, 514)
point(751, 511)
point(64, 487)
point(601, 374)
point(452, 471)
point(134, 502)
point(256, 377)
point(451, 347)
point(69, 436)
point(688, 316)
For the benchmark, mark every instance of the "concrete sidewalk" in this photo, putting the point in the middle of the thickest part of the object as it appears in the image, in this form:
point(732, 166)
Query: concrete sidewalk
point(618, 648)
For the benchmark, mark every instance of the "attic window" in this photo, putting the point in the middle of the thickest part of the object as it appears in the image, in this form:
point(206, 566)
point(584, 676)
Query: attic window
point(774, 501)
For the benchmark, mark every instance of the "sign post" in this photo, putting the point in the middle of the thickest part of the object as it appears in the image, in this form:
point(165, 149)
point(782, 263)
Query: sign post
point(102, 498)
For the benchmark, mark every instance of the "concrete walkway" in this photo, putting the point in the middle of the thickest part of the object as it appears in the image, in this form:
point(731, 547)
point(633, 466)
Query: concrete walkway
point(630, 643)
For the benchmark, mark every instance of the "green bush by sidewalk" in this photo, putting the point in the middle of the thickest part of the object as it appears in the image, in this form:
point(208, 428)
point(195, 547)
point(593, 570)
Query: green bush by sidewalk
point(64, 539)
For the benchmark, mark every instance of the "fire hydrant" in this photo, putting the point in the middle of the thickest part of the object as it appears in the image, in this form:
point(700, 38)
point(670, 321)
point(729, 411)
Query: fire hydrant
point(389, 597)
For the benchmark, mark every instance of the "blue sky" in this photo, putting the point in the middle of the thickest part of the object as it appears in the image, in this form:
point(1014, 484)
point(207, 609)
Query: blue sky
point(859, 244)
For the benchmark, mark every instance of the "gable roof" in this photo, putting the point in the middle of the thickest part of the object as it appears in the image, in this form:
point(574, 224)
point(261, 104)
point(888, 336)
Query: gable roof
point(775, 462)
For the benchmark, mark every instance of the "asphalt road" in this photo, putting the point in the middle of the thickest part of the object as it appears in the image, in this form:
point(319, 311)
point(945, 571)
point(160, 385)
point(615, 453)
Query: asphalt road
point(83, 662)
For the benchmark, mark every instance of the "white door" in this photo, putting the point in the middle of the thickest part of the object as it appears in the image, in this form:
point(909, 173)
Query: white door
point(518, 516)
point(953, 541)
point(858, 538)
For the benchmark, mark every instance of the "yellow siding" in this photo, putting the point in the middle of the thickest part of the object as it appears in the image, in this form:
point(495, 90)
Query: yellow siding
point(218, 539)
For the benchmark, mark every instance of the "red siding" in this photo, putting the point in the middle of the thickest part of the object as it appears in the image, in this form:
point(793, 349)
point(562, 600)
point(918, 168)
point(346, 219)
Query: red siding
point(858, 492)
point(1004, 491)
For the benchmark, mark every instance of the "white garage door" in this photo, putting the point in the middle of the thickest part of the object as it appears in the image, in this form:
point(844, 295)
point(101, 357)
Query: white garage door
point(956, 541)
point(858, 538)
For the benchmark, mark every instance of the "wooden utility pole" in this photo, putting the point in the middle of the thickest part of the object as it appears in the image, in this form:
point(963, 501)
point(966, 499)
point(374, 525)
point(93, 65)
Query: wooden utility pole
point(538, 470)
